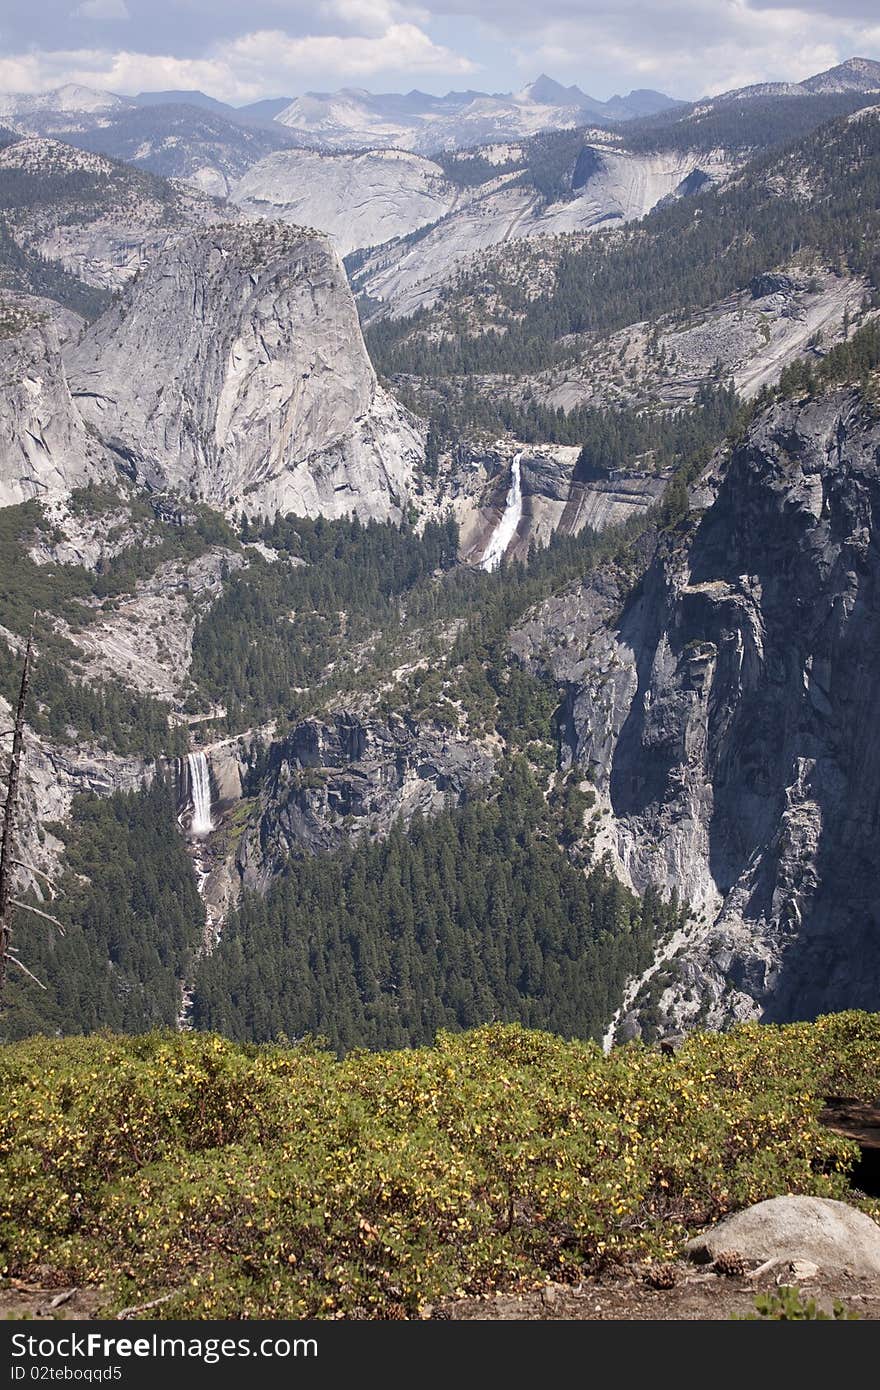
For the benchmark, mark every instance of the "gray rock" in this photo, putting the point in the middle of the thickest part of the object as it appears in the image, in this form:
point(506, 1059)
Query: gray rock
point(799, 1271)
point(771, 282)
point(145, 640)
point(104, 237)
point(234, 371)
point(825, 1233)
point(360, 199)
point(545, 476)
point(409, 274)
point(51, 777)
point(45, 449)
point(628, 1029)
point(724, 710)
point(332, 782)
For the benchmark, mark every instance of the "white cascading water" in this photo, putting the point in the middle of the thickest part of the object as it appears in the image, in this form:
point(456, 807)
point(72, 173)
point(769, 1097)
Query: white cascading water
point(200, 786)
point(507, 527)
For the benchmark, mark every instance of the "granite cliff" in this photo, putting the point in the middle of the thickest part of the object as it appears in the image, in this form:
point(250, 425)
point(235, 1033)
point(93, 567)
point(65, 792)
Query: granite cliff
point(330, 782)
point(45, 448)
point(233, 370)
point(724, 711)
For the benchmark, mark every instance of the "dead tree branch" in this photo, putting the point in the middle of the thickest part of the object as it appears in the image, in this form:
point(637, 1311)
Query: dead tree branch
point(26, 907)
point(38, 873)
point(12, 959)
point(8, 832)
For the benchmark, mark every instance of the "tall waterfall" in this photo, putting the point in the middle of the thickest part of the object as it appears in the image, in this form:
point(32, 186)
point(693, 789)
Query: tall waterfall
point(200, 787)
point(506, 529)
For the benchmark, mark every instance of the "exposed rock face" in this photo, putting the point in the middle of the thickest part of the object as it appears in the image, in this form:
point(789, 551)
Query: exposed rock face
point(556, 499)
point(329, 783)
point(751, 336)
point(359, 199)
point(99, 220)
point(234, 370)
point(855, 75)
point(178, 140)
point(616, 187)
point(51, 777)
point(475, 480)
point(45, 449)
point(145, 640)
point(70, 107)
point(727, 717)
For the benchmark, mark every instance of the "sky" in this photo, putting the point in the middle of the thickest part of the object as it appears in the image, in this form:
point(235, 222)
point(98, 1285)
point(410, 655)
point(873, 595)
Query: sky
point(242, 51)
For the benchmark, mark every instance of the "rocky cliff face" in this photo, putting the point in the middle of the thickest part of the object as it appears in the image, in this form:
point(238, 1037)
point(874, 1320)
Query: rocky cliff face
point(98, 219)
point(145, 639)
point(50, 779)
point(328, 783)
point(45, 449)
point(726, 718)
point(474, 481)
point(615, 187)
point(234, 371)
point(358, 199)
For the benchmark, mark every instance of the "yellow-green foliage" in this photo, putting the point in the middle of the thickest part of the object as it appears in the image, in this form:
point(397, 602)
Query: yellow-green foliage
point(280, 1182)
point(790, 1305)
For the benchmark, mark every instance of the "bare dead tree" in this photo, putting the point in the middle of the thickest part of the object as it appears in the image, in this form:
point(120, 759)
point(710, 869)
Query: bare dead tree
point(8, 860)
point(6, 843)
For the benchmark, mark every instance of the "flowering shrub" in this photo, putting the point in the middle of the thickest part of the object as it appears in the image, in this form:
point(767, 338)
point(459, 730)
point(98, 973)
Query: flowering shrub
point(280, 1182)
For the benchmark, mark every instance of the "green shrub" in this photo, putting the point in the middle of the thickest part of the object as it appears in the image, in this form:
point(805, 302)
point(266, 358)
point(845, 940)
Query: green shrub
point(279, 1182)
point(789, 1305)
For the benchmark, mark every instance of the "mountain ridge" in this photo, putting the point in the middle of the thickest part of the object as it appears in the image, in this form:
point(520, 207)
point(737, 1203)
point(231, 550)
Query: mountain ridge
point(852, 75)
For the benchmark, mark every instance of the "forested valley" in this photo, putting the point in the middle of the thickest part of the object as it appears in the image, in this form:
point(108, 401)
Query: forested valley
point(476, 916)
point(132, 919)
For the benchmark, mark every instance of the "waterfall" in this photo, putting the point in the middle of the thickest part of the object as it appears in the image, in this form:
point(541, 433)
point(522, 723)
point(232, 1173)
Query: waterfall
point(200, 787)
point(506, 529)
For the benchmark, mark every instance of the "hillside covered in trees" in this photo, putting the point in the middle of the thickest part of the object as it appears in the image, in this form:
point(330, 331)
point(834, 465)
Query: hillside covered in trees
point(132, 919)
point(822, 194)
point(474, 916)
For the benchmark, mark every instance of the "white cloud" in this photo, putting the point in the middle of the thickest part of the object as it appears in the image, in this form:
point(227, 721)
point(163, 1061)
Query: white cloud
point(102, 9)
point(371, 16)
point(688, 47)
point(399, 48)
point(243, 69)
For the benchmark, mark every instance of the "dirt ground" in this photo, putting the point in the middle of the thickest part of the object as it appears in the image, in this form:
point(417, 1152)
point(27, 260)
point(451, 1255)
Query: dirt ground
point(20, 1300)
point(697, 1295)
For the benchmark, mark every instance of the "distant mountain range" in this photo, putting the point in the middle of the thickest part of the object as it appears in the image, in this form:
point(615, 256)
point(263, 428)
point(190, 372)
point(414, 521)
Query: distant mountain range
point(189, 135)
point(350, 118)
point(855, 75)
point(642, 102)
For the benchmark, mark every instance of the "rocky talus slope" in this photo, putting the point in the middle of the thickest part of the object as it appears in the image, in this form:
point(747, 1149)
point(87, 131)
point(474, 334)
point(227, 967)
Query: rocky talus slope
point(750, 337)
point(725, 713)
point(234, 370)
